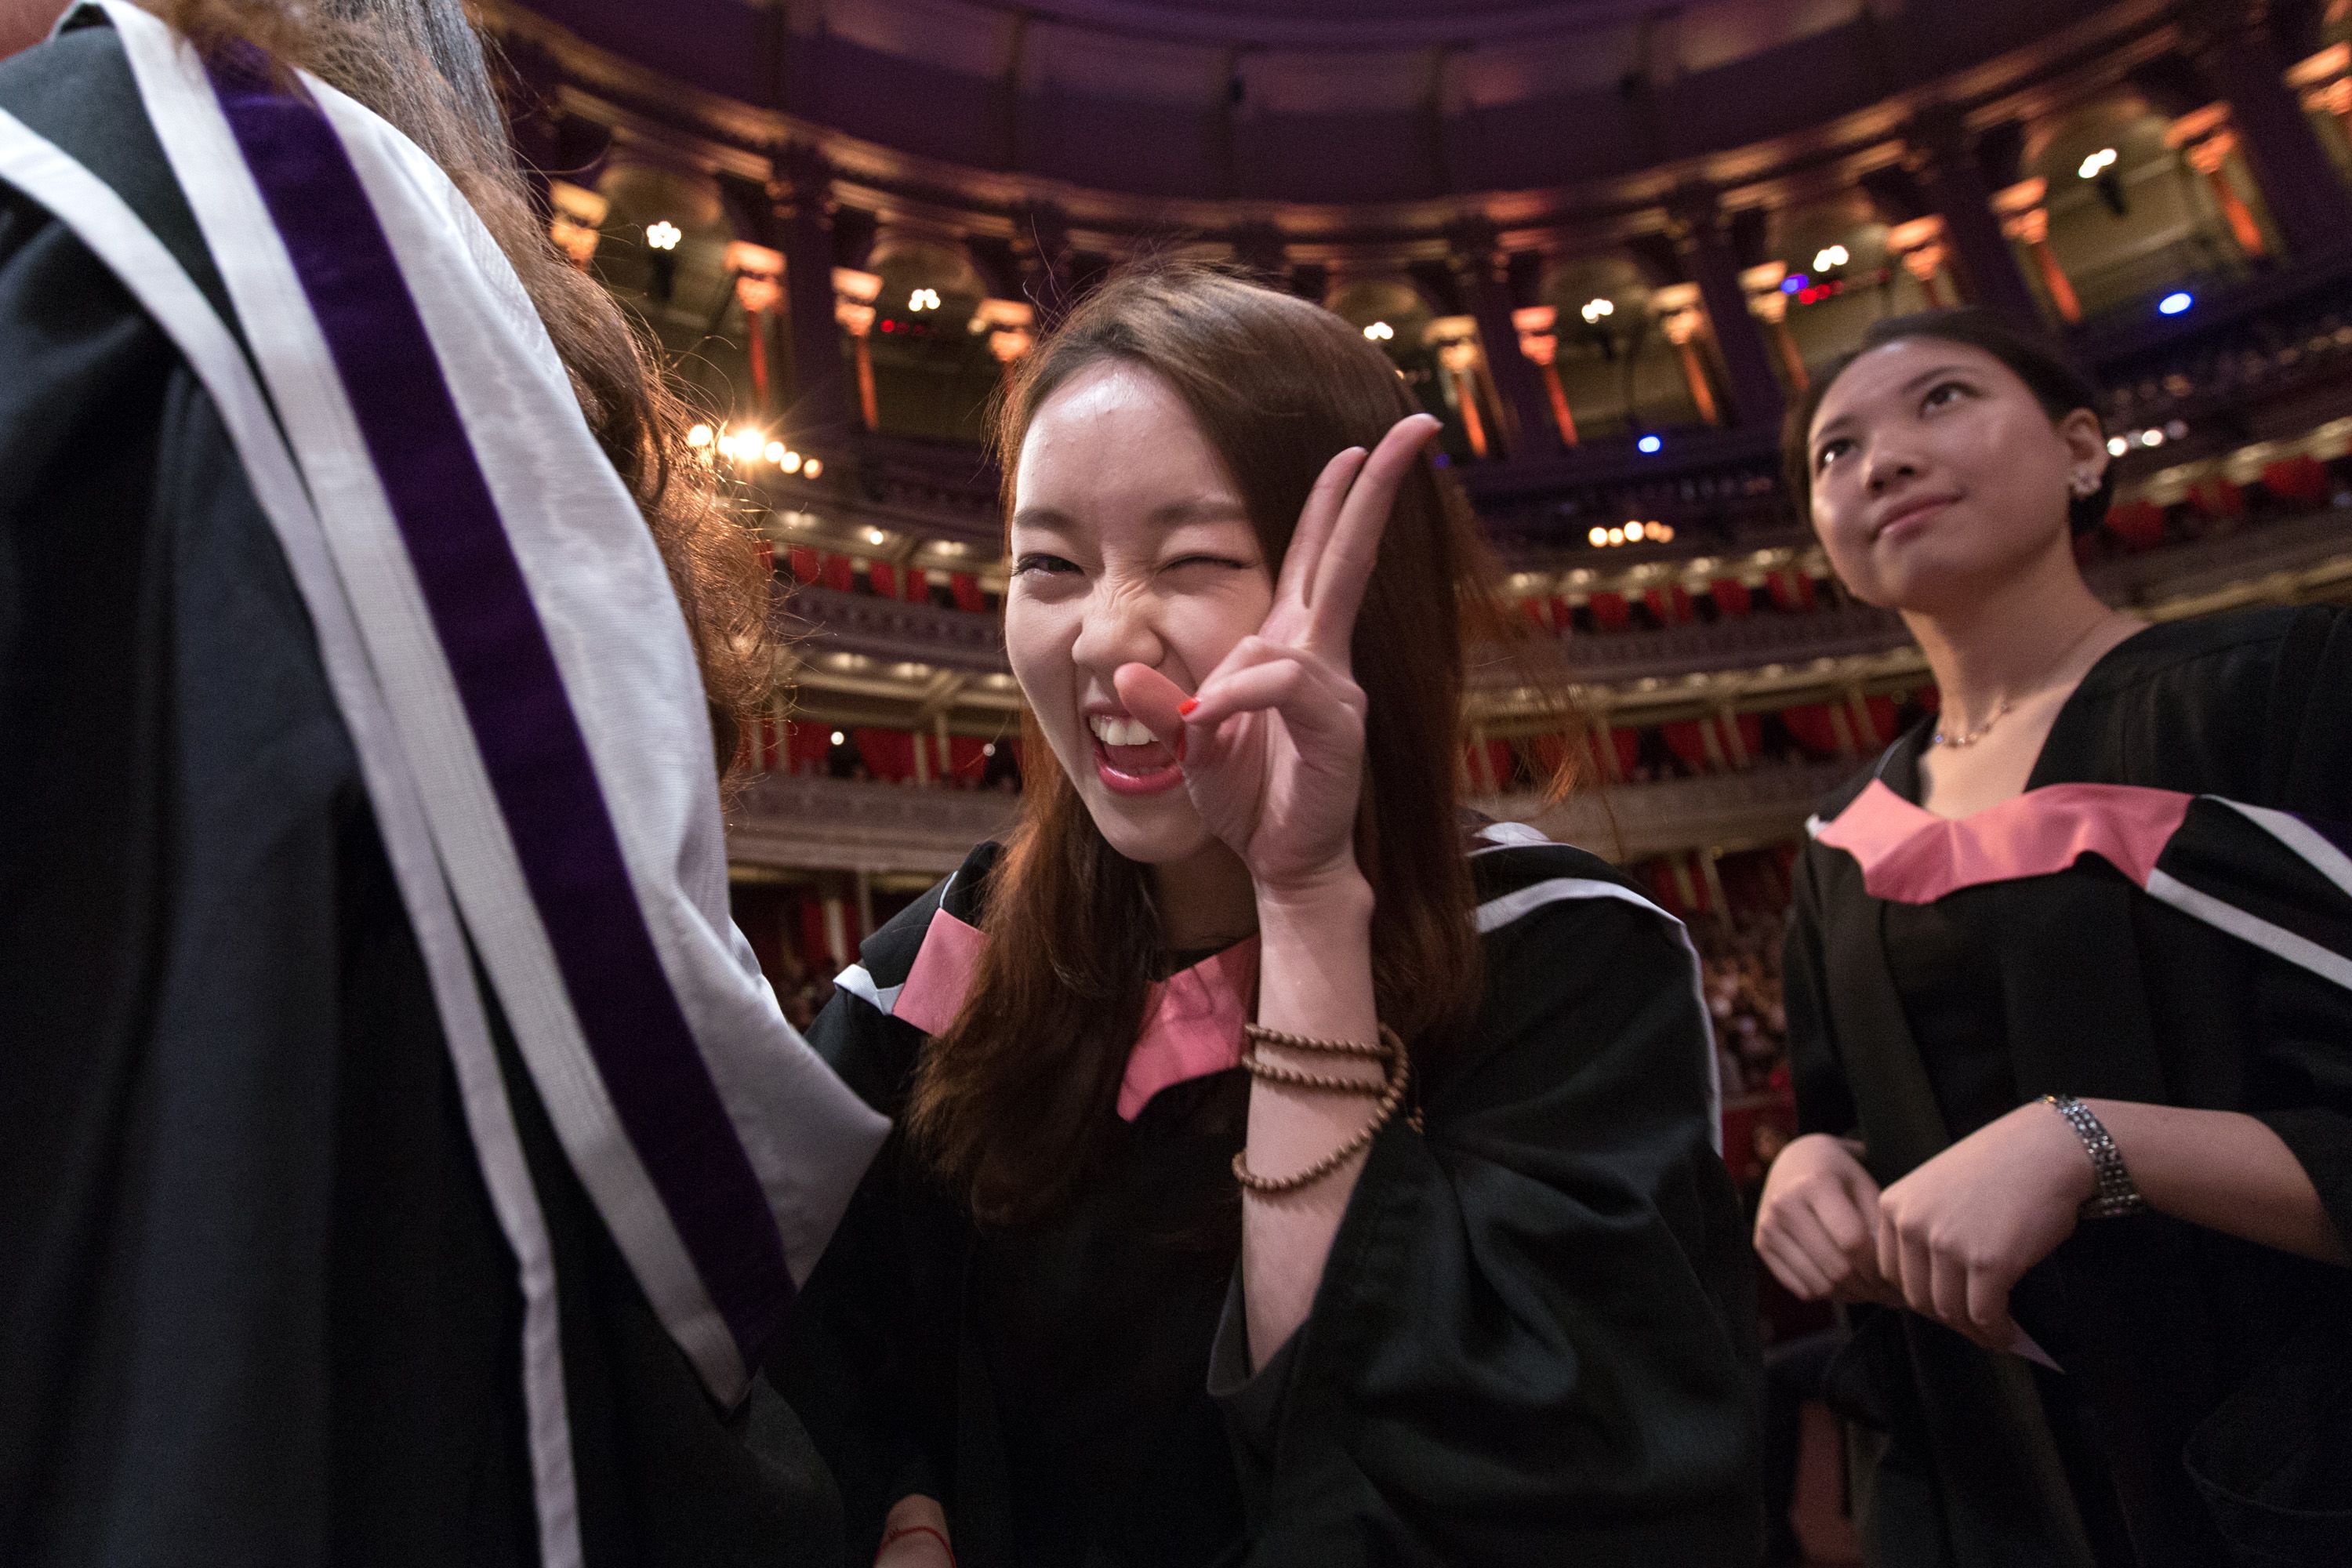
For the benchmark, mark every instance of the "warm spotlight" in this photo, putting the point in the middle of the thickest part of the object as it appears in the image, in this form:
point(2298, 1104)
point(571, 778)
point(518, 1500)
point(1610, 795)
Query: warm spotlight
point(663, 234)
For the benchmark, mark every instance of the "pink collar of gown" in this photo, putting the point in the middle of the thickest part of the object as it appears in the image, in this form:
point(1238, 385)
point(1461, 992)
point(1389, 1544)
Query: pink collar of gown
point(1908, 855)
point(1191, 1021)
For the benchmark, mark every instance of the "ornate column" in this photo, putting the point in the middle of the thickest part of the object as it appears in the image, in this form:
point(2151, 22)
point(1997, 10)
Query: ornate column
point(1954, 186)
point(2233, 47)
point(1919, 246)
point(1677, 310)
point(1772, 308)
point(1539, 345)
point(854, 294)
point(1455, 340)
point(575, 216)
point(2203, 137)
point(799, 190)
point(1483, 272)
point(1008, 325)
point(759, 274)
point(2324, 82)
point(1696, 220)
point(2025, 219)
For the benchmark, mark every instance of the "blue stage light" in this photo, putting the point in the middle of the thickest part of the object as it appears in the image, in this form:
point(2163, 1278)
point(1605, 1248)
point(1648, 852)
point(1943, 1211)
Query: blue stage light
point(2172, 304)
point(1793, 281)
point(1648, 444)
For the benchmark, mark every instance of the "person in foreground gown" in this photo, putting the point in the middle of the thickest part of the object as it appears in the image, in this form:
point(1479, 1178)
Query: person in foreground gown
point(402, 1159)
point(2069, 1017)
point(1288, 1173)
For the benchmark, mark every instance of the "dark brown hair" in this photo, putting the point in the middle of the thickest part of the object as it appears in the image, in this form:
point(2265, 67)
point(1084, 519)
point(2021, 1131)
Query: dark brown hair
point(2047, 372)
point(420, 65)
point(1012, 1100)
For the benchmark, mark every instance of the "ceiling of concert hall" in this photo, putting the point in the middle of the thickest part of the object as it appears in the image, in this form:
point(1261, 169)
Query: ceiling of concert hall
point(1321, 101)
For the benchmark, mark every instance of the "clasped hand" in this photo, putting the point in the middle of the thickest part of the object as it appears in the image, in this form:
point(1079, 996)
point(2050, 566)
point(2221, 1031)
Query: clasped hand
point(1950, 1240)
point(1273, 743)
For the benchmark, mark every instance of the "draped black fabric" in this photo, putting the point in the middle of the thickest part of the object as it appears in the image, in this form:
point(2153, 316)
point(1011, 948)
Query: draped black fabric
point(1534, 1340)
point(255, 1305)
point(2214, 1376)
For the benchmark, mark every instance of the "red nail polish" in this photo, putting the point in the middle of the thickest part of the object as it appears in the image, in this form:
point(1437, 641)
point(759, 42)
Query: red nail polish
point(1184, 709)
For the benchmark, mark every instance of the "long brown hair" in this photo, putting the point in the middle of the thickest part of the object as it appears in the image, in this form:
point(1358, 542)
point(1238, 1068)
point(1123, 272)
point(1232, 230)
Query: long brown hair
point(1011, 1102)
point(420, 65)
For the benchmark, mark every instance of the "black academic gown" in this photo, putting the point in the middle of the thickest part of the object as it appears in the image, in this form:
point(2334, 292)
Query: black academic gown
point(2209, 1378)
point(1534, 1340)
point(254, 1306)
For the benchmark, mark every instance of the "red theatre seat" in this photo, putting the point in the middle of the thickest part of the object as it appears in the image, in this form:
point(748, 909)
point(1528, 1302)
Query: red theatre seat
point(885, 578)
point(968, 596)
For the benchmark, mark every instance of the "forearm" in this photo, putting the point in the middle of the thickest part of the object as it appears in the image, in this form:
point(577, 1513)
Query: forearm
point(2224, 1171)
point(1315, 978)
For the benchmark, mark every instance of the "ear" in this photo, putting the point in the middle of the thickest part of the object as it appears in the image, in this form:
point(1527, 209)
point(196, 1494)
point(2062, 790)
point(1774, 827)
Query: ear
point(2086, 442)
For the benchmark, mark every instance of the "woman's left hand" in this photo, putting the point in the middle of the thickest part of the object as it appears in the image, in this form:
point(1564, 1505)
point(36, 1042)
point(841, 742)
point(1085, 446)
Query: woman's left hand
point(1273, 743)
point(1956, 1235)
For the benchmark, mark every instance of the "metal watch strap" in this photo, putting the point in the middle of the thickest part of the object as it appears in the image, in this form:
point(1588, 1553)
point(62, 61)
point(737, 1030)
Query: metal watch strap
point(2117, 1194)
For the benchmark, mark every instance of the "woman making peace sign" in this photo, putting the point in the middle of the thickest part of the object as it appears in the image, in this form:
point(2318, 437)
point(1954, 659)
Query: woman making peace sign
point(1286, 1172)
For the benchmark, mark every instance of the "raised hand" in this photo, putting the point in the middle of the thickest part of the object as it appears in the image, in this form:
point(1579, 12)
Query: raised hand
point(1273, 743)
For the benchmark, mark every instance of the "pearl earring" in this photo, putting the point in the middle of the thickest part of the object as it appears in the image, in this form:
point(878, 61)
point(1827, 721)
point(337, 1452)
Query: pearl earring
point(2085, 484)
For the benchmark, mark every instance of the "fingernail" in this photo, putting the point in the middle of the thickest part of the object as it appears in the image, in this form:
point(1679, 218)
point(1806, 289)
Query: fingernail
point(1184, 709)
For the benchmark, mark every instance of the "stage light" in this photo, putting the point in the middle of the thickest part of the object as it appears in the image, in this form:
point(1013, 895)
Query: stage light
point(1830, 255)
point(812, 469)
point(2117, 446)
point(2151, 437)
point(1793, 282)
point(1598, 536)
point(790, 462)
point(2172, 304)
point(2097, 162)
point(663, 234)
point(923, 299)
point(1648, 444)
point(1664, 532)
point(1616, 536)
point(775, 453)
point(698, 435)
point(1380, 332)
point(1593, 310)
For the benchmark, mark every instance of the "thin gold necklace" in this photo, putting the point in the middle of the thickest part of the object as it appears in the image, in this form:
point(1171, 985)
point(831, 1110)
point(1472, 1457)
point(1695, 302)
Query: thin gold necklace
point(2002, 705)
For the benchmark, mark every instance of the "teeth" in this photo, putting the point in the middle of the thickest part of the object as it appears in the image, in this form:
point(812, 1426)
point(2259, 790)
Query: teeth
point(1120, 732)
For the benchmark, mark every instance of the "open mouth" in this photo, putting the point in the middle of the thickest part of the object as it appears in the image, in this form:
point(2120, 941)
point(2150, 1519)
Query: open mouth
point(1128, 759)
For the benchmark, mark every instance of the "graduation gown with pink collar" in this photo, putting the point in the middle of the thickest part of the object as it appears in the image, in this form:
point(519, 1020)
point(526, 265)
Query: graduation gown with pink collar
point(1534, 1340)
point(2164, 916)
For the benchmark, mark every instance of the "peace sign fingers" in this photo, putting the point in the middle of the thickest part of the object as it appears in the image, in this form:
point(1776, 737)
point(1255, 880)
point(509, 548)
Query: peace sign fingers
point(1345, 558)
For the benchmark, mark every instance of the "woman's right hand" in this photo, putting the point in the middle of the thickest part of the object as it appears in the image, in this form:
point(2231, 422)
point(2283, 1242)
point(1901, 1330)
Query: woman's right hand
point(1817, 1227)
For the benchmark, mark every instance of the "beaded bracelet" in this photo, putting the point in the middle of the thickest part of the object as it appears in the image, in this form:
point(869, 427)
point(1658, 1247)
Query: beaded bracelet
point(1399, 1079)
point(1386, 1047)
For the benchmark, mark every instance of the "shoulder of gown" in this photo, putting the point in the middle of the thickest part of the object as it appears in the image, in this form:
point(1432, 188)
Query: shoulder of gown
point(874, 1052)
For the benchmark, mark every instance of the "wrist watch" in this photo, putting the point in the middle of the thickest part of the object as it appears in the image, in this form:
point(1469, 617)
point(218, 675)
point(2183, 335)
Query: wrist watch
point(2117, 1194)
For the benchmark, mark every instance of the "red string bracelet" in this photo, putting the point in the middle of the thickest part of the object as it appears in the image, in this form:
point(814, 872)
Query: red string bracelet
point(907, 1530)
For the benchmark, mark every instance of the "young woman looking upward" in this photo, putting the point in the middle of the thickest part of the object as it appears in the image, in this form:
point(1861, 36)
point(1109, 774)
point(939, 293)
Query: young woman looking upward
point(1290, 1174)
point(2068, 1010)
